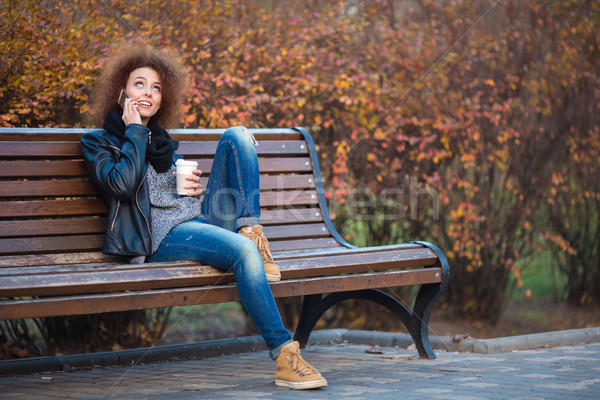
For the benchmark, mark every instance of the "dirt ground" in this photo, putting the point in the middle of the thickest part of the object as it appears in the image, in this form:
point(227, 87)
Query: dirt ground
point(520, 318)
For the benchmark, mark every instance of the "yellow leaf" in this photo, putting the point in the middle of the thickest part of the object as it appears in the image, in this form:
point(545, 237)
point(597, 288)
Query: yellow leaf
point(490, 82)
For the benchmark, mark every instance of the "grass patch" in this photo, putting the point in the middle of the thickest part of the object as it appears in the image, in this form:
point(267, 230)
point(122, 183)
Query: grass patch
point(541, 278)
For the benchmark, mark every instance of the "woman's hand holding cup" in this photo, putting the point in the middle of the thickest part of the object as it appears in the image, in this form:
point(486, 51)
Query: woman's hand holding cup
point(188, 178)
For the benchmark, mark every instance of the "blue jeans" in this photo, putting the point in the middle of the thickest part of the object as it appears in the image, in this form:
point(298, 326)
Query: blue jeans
point(232, 200)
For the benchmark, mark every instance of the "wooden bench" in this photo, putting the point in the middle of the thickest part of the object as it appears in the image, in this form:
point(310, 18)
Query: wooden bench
point(52, 224)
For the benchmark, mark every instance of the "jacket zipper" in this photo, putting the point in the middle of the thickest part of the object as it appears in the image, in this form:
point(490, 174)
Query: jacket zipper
point(112, 226)
point(140, 208)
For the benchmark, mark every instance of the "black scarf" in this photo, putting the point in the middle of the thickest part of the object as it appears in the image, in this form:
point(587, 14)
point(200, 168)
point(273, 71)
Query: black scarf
point(160, 150)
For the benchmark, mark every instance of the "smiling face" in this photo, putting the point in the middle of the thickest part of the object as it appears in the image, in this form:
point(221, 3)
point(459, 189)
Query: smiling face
point(144, 86)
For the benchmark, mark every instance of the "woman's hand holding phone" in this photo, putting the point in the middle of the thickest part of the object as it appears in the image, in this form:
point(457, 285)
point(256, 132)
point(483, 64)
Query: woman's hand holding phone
point(131, 114)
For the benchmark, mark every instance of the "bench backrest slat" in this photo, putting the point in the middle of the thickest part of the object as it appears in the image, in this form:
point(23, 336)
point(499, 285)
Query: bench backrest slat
point(48, 205)
point(68, 149)
point(82, 187)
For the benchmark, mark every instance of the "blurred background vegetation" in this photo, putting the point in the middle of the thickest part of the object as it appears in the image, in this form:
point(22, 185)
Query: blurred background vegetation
point(469, 123)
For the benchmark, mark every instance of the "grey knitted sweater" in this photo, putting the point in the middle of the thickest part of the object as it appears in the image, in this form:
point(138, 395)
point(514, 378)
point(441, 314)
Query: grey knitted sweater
point(167, 208)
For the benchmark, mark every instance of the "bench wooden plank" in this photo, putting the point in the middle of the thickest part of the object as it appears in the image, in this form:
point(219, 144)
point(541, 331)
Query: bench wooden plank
point(74, 134)
point(51, 208)
point(53, 244)
point(82, 187)
point(303, 244)
point(78, 279)
point(351, 261)
point(47, 188)
point(95, 267)
point(70, 149)
point(50, 244)
point(60, 207)
point(208, 149)
point(283, 216)
point(76, 168)
point(73, 226)
point(122, 301)
point(294, 231)
point(308, 253)
point(32, 149)
point(40, 169)
point(52, 227)
point(58, 259)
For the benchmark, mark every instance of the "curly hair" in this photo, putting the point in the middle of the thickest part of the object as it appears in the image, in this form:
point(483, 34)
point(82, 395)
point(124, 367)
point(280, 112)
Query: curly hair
point(114, 77)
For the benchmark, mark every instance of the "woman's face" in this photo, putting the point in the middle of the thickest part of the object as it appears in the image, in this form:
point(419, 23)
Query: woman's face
point(144, 86)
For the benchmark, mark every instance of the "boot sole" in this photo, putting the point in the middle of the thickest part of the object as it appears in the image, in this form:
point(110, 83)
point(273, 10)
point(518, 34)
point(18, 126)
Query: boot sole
point(273, 278)
point(301, 385)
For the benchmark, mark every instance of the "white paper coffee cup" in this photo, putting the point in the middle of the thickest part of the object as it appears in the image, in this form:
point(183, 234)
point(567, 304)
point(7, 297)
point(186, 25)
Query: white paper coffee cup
point(184, 171)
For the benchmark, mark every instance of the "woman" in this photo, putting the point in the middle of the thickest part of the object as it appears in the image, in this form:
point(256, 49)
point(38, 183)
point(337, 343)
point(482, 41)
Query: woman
point(131, 161)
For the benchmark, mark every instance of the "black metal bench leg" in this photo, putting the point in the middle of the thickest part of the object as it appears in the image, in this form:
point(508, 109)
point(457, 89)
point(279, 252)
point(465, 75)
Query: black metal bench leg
point(415, 321)
point(312, 310)
point(418, 326)
point(426, 298)
point(314, 306)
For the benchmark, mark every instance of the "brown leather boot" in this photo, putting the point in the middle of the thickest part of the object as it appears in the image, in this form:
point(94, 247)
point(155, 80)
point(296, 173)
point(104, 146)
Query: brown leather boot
point(261, 242)
point(295, 373)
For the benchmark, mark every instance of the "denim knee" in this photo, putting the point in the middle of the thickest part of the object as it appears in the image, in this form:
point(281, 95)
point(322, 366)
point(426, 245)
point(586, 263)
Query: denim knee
point(250, 262)
point(239, 135)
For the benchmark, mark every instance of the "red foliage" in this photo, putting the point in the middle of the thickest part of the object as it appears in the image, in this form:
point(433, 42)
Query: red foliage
point(488, 108)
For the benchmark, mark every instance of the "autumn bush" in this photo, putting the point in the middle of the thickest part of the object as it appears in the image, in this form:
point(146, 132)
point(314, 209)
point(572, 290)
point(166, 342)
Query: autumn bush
point(469, 123)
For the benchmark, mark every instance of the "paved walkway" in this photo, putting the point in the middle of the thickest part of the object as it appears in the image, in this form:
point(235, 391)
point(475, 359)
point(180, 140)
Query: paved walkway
point(353, 371)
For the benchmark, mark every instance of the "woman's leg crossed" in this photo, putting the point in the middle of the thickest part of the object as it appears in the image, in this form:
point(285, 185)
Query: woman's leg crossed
point(197, 240)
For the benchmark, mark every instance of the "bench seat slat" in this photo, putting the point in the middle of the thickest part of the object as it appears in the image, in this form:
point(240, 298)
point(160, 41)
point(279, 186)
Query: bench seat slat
point(79, 279)
point(344, 261)
point(33, 260)
point(97, 267)
point(60, 259)
point(121, 301)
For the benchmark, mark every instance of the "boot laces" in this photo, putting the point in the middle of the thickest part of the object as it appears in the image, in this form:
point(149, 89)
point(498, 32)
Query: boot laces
point(263, 248)
point(298, 364)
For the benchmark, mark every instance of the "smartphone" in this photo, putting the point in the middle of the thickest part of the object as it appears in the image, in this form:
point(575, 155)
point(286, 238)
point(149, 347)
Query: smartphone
point(122, 97)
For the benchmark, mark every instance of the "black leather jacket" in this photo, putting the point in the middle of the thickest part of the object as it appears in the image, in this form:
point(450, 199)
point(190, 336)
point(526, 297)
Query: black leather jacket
point(118, 168)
